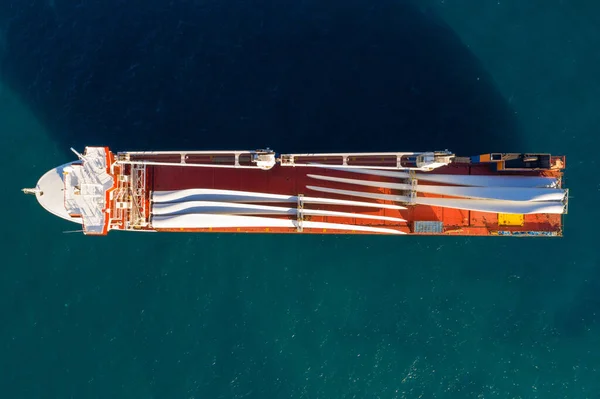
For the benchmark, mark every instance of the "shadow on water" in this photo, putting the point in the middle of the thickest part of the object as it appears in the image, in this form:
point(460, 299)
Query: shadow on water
point(202, 74)
point(295, 76)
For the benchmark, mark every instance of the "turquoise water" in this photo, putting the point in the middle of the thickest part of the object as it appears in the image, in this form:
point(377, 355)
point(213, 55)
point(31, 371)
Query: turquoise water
point(220, 316)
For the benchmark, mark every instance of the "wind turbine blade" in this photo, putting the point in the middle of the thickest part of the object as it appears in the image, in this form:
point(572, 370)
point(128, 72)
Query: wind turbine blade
point(368, 183)
point(245, 196)
point(385, 197)
point(191, 207)
point(233, 208)
point(204, 221)
point(209, 194)
point(335, 201)
point(318, 212)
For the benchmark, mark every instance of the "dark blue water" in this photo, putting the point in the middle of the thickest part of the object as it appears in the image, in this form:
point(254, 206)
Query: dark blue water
point(293, 76)
point(219, 316)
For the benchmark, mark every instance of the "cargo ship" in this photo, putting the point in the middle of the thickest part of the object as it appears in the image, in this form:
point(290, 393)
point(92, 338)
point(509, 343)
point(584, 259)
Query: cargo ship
point(260, 191)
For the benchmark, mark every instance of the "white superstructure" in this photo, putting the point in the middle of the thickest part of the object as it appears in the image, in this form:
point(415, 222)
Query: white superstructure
point(78, 191)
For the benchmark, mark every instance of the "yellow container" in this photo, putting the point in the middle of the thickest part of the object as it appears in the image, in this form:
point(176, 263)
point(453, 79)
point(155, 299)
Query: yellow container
point(510, 219)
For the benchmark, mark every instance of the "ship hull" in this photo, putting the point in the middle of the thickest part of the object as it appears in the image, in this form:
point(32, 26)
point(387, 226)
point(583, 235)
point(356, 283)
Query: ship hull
point(384, 194)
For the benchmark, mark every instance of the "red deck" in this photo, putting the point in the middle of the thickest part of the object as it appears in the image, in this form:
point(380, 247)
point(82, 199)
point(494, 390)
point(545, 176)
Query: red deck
point(293, 181)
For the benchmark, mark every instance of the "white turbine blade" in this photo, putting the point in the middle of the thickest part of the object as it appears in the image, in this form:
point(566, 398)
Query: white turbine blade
point(495, 206)
point(318, 212)
point(191, 207)
point(204, 221)
point(497, 193)
point(209, 220)
point(219, 195)
point(334, 201)
point(500, 193)
point(373, 172)
point(338, 226)
point(460, 180)
point(245, 196)
point(188, 207)
point(385, 197)
point(369, 183)
point(490, 181)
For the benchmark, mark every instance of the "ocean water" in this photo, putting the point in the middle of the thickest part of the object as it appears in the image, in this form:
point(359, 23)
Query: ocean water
point(257, 316)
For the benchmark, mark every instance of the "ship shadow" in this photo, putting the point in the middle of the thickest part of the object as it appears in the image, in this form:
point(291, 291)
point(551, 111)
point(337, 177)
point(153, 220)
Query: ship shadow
point(292, 76)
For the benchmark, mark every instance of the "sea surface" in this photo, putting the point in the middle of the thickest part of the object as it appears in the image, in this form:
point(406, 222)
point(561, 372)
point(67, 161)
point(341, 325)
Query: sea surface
point(256, 316)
